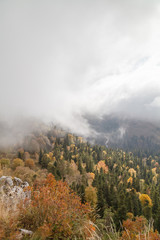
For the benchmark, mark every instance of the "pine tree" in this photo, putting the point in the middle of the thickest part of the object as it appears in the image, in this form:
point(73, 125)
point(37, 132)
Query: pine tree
point(40, 156)
point(80, 168)
point(100, 203)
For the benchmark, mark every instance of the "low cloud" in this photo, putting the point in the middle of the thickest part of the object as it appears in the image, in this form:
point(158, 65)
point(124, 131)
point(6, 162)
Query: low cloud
point(62, 60)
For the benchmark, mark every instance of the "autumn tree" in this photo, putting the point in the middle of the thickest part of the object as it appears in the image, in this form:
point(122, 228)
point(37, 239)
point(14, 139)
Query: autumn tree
point(17, 162)
point(29, 163)
point(146, 203)
point(4, 162)
point(26, 174)
point(56, 212)
point(138, 230)
point(91, 195)
point(45, 160)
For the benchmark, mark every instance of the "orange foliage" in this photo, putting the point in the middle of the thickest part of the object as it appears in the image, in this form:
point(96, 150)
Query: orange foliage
point(101, 164)
point(29, 163)
point(132, 172)
point(8, 225)
point(56, 211)
point(137, 230)
point(130, 180)
point(17, 162)
point(90, 177)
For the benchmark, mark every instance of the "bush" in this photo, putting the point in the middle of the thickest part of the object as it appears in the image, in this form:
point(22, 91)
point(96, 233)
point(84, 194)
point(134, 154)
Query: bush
point(4, 162)
point(56, 212)
point(138, 230)
point(25, 174)
point(29, 163)
point(17, 162)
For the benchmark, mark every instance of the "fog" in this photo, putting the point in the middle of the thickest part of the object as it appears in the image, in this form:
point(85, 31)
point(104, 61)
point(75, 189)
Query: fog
point(61, 60)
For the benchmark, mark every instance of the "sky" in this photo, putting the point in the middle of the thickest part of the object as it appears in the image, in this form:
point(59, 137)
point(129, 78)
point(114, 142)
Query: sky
point(63, 59)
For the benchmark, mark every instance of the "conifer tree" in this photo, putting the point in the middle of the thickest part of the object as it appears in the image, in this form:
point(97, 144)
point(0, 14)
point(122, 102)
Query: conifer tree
point(100, 203)
point(40, 156)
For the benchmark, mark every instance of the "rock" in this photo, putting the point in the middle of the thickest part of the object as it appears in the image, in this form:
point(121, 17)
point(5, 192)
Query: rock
point(9, 181)
point(12, 191)
point(25, 232)
point(11, 194)
point(6, 180)
point(17, 181)
point(24, 184)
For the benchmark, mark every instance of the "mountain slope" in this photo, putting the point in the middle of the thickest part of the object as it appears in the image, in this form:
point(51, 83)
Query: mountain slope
point(128, 134)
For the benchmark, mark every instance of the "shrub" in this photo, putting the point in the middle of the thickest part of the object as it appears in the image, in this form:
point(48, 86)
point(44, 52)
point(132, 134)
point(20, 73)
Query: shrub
point(56, 212)
point(138, 230)
point(4, 162)
point(8, 223)
point(29, 163)
point(17, 162)
point(25, 174)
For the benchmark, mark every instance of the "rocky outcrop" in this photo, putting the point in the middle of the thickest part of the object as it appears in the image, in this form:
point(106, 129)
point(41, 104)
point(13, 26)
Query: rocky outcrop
point(12, 191)
point(24, 233)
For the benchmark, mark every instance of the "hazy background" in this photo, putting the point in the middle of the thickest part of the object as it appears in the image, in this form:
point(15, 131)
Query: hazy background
point(61, 60)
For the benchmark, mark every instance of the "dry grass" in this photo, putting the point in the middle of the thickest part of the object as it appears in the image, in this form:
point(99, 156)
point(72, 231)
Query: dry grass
point(8, 222)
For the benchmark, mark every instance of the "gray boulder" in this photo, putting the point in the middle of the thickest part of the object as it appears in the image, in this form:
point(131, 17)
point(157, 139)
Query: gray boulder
point(12, 191)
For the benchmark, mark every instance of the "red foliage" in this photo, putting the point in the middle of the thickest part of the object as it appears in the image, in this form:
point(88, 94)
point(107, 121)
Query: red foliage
point(137, 230)
point(56, 211)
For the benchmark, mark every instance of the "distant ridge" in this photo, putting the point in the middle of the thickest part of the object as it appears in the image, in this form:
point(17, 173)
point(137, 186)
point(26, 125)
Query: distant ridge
point(126, 133)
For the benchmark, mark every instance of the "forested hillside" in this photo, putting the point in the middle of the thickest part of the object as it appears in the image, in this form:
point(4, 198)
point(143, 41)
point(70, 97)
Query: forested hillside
point(122, 190)
point(79, 120)
point(139, 136)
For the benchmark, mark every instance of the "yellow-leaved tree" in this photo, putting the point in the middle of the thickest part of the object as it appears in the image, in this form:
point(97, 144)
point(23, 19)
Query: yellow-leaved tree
point(91, 195)
point(101, 165)
point(146, 203)
point(17, 162)
point(29, 163)
point(145, 200)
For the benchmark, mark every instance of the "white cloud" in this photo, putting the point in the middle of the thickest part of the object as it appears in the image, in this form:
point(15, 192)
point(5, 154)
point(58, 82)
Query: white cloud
point(61, 59)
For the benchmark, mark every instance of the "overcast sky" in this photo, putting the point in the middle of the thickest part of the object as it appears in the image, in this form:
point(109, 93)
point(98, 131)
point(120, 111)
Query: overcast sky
point(61, 59)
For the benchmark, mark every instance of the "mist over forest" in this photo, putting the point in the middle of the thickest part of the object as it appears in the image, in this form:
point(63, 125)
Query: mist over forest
point(62, 60)
point(80, 119)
